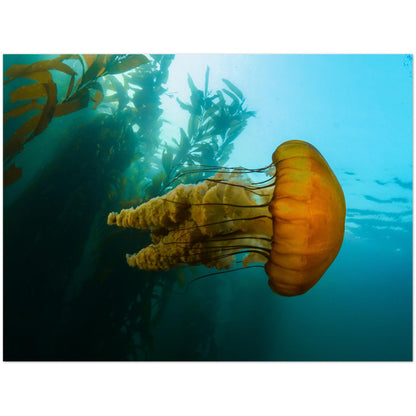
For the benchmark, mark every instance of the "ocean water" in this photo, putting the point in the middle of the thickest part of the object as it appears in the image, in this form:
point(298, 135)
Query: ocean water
point(70, 295)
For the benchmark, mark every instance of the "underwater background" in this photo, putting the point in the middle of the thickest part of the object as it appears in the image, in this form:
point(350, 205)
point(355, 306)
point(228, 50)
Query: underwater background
point(133, 122)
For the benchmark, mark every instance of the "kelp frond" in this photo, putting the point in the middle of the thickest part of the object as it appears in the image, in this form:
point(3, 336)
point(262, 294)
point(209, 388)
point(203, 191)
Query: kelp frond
point(215, 121)
point(77, 97)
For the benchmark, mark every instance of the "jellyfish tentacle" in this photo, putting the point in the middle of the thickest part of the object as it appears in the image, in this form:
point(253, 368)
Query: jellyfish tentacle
point(252, 189)
point(214, 169)
point(253, 237)
point(217, 204)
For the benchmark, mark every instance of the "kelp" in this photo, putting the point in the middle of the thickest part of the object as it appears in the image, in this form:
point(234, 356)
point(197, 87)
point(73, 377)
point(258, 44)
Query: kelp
point(213, 125)
point(77, 95)
point(215, 120)
point(28, 92)
point(18, 111)
point(114, 313)
point(64, 201)
point(39, 71)
point(137, 99)
point(77, 101)
point(11, 174)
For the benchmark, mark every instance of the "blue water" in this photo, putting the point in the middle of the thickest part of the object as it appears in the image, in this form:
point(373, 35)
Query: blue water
point(357, 111)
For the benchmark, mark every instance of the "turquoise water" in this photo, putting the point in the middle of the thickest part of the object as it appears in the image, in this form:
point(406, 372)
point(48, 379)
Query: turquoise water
point(357, 110)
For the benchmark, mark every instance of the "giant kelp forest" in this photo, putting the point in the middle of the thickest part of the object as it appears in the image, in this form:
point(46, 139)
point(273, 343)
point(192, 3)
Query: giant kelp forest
point(95, 122)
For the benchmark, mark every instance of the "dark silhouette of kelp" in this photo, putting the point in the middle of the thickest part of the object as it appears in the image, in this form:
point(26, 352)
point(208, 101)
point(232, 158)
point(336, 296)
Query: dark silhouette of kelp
point(69, 294)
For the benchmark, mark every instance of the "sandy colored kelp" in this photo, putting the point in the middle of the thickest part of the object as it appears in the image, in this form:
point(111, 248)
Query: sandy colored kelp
point(42, 95)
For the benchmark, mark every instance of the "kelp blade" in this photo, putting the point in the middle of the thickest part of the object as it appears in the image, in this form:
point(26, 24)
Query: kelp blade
point(15, 144)
point(19, 70)
point(77, 102)
point(28, 92)
point(11, 175)
point(22, 109)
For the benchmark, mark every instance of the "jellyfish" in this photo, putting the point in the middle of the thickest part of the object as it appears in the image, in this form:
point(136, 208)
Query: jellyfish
point(292, 223)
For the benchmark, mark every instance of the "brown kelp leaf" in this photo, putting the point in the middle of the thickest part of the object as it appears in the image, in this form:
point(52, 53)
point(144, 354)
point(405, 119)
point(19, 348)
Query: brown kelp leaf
point(71, 82)
point(101, 72)
point(18, 70)
point(15, 144)
point(132, 61)
point(68, 70)
point(45, 77)
point(42, 77)
point(22, 109)
point(48, 110)
point(99, 94)
point(96, 69)
point(60, 66)
point(78, 101)
point(11, 175)
point(28, 92)
point(98, 97)
point(89, 59)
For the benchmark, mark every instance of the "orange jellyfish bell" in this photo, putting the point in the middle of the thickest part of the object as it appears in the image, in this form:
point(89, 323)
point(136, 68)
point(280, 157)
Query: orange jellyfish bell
point(308, 211)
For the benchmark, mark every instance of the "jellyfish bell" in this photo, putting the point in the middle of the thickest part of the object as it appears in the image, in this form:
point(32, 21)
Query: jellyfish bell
point(308, 210)
point(293, 222)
